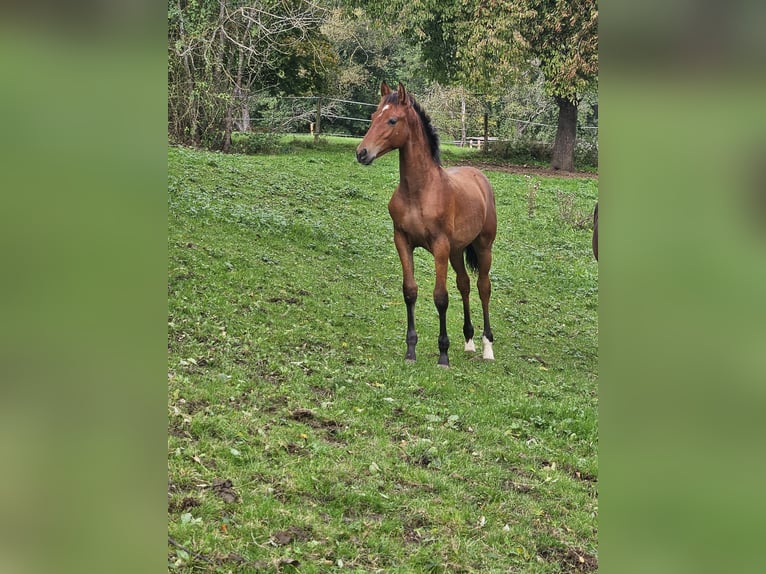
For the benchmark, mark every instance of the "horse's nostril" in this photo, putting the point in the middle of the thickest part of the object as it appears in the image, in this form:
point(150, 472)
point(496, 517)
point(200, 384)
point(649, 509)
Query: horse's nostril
point(361, 154)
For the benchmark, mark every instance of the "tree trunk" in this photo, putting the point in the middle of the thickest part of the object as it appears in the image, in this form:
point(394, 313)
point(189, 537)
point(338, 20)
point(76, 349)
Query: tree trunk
point(187, 130)
point(566, 133)
point(244, 110)
point(240, 93)
point(228, 125)
point(218, 84)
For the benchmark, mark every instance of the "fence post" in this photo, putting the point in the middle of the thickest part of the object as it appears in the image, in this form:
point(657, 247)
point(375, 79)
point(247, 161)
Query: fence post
point(486, 132)
point(462, 121)
point(318, 129)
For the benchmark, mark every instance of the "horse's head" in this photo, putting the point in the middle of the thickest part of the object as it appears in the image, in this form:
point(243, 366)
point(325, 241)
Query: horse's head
point(389, 129)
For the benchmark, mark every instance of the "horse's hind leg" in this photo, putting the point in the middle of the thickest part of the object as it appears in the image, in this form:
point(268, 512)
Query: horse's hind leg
point(464, 287)
point(485, 290)
point(441, 298)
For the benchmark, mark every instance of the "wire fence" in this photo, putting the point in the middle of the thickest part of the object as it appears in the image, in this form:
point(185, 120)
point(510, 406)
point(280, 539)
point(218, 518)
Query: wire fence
point(473, 126)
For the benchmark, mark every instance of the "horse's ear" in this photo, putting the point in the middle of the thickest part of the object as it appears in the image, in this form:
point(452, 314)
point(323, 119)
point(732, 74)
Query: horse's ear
point(402, 94)
point(384, 89)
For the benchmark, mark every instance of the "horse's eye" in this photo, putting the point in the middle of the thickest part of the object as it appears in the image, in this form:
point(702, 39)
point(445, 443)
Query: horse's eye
point(392, 121)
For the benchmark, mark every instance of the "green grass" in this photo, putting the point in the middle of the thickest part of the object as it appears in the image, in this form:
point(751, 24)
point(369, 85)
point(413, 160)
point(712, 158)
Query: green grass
point(286, 377)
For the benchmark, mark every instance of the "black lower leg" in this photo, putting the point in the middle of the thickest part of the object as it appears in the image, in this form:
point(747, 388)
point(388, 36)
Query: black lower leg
point(412, 337)
point(488, 329)
point(467, 325)
point(442, 301)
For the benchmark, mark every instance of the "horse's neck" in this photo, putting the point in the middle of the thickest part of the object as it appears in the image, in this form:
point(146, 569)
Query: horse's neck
point(416, 165)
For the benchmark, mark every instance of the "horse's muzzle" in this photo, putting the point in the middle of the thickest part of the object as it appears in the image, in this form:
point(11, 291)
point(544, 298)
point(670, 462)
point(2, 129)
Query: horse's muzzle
point(363, 157)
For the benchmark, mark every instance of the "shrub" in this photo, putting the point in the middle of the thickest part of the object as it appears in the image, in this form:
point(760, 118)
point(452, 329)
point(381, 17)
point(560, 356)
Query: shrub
point(256, 143)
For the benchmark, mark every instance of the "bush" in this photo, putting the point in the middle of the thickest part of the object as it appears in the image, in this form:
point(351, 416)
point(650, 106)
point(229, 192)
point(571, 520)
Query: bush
point(531, 152)
point(586, 153)
point(521, 151)
point(256, 143)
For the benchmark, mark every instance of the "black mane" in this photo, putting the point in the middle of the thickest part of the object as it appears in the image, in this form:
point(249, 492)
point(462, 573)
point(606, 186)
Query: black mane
point(428, 129)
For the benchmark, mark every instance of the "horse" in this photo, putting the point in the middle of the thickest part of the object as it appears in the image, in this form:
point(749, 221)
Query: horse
point(449, 212)
point(594, 239)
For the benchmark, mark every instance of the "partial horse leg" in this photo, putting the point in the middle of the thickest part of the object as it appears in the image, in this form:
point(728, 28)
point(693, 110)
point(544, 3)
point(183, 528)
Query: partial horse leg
point(409, 290)
point(485, 290)
point(464, 287)
point(441, 297)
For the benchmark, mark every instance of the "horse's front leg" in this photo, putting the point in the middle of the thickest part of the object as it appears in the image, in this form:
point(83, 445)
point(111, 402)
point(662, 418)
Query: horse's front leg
point(441, 297)
point(409, 290)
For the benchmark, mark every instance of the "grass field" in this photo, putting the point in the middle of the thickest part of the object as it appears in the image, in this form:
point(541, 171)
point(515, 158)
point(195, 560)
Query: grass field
point(298, 438)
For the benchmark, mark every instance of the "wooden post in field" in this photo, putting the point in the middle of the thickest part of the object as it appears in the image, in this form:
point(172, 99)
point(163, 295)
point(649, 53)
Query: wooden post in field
point(486, 132)
point(462, 121)
point(318, 129)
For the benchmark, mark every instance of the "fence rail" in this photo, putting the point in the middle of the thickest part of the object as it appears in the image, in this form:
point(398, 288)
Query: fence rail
point(331, 116)
point(330, 99)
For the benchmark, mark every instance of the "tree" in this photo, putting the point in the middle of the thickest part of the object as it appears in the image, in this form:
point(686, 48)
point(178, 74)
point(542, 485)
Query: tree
point(219, 51)
point(368, 52)
point(563, 36)
point(487, 44)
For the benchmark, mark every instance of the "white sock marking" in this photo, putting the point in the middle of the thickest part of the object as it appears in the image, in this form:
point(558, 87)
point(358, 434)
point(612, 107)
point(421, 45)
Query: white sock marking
point(487, 349)
point(470, 347)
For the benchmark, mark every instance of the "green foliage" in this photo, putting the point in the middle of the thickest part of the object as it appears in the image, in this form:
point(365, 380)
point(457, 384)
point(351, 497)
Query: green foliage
point(221, 51)
point(254, 143)
point(299, 438)
point(521, 152)
point(563, 34)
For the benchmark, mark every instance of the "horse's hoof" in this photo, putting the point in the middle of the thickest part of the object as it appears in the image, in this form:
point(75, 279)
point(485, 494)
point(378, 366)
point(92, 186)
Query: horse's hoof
point(470, 346)
point(442, 365)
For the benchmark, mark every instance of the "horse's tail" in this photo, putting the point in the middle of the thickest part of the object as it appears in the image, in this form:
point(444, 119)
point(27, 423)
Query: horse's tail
point(471, 259)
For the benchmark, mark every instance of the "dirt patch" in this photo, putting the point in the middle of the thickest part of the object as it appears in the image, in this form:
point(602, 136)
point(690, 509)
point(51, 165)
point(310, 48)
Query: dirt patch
point(292, 534)
point(294, 448)
point(175, 429)
point(301, 414)
point(331, 436)
point(224, 489)
point(183, 485)
point(570, 559)
point(331, 427)
point(587, 477)
point(185, 504)
point(579, 474)
point(524, 169)
point(517, 486)
point(288, 300)
point(416, 529)
point(193, 405)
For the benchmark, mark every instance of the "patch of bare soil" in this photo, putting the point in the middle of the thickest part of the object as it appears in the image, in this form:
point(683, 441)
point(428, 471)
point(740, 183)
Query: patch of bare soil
point(570, 559)
point(331, 427)
point(224, 489)
point(294, 533)
point(185, 504)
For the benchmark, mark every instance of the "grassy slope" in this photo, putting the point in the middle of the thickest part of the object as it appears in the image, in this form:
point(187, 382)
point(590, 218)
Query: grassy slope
point(286, 377)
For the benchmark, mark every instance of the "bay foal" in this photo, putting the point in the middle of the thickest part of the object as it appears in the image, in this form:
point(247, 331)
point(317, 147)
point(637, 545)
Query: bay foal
point(449, 212)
